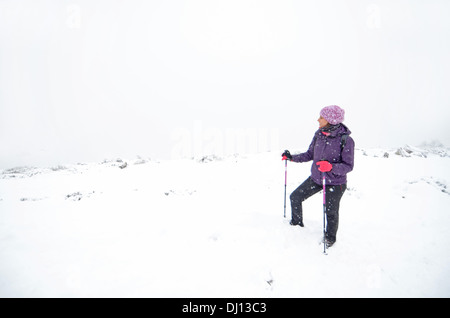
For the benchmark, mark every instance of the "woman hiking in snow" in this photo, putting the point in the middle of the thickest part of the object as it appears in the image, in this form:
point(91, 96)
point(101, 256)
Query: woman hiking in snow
point(332, 153)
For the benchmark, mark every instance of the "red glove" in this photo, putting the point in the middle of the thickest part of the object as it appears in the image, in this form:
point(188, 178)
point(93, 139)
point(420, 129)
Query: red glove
point(324, 166)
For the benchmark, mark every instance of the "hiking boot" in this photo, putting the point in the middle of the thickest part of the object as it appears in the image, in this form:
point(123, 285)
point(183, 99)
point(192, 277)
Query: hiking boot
point(298, 223)
point(328, 242)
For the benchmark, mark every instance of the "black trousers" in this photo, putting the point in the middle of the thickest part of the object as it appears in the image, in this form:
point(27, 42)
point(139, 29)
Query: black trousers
point(333, 197)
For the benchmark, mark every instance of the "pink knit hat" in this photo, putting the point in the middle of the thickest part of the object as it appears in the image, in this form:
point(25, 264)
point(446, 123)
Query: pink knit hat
point(333, 114)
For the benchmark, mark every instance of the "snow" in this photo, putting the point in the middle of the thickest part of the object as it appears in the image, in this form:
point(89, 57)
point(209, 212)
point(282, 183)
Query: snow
point(214, 227)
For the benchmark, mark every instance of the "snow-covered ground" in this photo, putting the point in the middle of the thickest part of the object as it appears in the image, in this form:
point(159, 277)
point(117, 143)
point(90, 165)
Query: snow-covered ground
point(214, 227)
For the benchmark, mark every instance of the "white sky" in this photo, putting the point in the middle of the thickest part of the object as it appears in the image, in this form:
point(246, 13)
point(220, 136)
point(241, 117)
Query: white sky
point(89, 80)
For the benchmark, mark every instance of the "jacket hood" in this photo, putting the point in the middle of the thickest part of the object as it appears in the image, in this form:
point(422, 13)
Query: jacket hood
point(334, 130)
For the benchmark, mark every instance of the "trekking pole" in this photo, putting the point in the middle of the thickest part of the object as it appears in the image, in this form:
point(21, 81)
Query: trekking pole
point(324, 214)
point(285, 181)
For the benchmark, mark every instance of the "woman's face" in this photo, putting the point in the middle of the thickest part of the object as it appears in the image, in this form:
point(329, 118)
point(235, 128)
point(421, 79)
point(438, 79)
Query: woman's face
point(322, 122)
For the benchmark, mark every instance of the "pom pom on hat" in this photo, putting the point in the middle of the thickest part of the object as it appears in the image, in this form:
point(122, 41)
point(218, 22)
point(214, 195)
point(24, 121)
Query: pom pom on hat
point(333, 114)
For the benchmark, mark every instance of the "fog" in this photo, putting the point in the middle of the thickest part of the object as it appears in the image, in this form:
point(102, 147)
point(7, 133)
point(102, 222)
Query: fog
point(91, 80)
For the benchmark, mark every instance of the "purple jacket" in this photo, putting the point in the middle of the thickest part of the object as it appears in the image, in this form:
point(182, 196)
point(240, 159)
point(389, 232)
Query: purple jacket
point(328, 147)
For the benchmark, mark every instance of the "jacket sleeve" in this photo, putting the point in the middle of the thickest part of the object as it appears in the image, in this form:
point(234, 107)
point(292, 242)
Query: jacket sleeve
point(306, 156)
point(347, 156)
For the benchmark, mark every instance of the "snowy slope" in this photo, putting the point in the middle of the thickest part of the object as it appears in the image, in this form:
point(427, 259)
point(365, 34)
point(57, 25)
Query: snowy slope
point(215, 228)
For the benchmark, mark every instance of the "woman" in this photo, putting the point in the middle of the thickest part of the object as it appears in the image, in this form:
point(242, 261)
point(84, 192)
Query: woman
point(332, 153)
